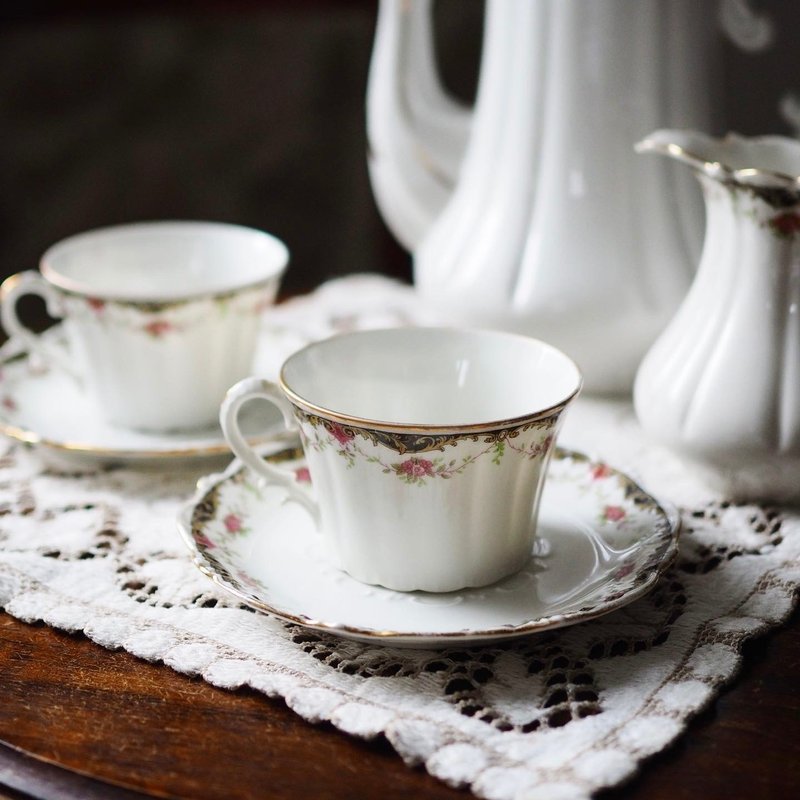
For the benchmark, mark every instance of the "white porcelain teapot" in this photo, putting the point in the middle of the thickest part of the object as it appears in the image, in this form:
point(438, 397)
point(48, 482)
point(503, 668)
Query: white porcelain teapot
point(533, 213)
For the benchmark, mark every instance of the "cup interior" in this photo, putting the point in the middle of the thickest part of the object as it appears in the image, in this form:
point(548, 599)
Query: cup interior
point(435, 377)
point(164, 260)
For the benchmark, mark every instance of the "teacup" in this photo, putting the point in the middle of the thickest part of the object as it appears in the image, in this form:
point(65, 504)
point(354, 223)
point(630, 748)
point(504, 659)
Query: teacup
point(427, 448)
point(161, 317)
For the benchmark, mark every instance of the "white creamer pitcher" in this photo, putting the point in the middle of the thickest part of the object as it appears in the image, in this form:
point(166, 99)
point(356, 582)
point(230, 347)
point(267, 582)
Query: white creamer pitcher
point(722, 383)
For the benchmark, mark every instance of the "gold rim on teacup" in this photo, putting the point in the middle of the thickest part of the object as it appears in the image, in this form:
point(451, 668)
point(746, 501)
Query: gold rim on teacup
point(368, 423)
point(279, 258)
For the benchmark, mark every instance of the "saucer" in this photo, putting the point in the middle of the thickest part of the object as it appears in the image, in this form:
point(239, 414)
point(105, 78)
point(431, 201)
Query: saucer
point(602, 542)
point(45, 406)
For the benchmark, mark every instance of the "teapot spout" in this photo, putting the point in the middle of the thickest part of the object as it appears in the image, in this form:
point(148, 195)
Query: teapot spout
point(417, 132)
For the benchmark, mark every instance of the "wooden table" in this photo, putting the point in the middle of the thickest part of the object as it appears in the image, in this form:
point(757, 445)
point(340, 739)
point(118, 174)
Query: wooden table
point(75, 718)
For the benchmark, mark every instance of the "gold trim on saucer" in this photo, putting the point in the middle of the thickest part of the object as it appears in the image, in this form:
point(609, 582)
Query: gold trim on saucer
point(32, 438)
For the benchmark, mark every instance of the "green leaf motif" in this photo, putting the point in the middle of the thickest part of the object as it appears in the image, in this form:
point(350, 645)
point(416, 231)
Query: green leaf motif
point(499, 452)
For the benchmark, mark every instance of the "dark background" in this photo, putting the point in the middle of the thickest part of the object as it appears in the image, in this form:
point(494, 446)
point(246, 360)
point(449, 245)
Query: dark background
point(247, 112)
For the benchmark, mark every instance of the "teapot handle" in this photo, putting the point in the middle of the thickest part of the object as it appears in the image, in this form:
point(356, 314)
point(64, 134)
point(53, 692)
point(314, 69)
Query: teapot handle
point(750, 30)
point(417, 132)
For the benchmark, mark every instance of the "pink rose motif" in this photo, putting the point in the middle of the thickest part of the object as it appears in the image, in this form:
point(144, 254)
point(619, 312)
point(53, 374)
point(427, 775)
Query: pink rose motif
point(600, 471)
point(786, 224)
point(158, 327)
point(248, 581)
point(203, 541)
point(233, 523)
point(302, 475)
point(416, 468)
point(624, 570)
point(9, 403)
point(340, 434)
point(614, 513)
point(96, 304)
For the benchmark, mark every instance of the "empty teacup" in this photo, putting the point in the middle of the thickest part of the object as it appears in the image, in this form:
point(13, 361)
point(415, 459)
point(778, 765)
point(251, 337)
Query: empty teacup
point(427, 448)
point(160, 317)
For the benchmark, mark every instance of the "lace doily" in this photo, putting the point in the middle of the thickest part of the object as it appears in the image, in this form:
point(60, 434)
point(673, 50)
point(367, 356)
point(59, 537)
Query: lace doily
point(558, 715)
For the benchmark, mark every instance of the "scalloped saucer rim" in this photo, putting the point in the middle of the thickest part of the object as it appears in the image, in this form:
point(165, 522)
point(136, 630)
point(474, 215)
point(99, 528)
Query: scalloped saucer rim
point(622, 538)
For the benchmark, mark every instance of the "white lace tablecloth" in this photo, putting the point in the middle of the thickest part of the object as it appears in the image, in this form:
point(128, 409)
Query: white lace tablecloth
point(558, 715)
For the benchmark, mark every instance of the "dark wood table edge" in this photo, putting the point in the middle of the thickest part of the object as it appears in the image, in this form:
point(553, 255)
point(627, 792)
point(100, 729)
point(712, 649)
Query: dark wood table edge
point(24, 775)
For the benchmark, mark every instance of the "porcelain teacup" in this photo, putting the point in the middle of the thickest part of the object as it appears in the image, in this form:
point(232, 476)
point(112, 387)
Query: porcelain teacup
point(160, 317)
point(427, 448)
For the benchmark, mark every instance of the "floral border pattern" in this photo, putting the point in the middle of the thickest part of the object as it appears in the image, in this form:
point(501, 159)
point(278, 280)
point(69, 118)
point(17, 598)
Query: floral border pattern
point(323, 435)
point(403, 443)
point(618, 497)
point(157, 319)
point(230, 520)
point(781, 217)
point(785, 225)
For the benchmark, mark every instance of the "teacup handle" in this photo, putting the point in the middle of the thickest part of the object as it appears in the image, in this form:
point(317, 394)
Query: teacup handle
point(14, 287)
point(237, 395)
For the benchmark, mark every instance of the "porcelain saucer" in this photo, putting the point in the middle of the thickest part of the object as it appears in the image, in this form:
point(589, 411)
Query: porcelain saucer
point(602, 542)
point(46, 407)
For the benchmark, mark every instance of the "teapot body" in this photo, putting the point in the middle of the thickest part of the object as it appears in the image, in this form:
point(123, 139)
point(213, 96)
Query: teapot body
point(552, 226)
